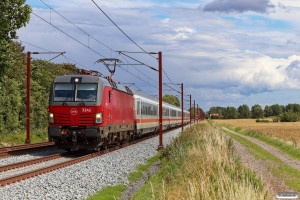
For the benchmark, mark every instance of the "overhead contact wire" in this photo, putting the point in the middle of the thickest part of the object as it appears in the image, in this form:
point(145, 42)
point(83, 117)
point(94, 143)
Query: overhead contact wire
point(76, 26)
point(66, 57)
point(121, 29)
point(68, 35)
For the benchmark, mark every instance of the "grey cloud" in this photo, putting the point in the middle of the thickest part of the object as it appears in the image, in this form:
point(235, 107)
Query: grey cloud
point(293, 70)
point(260, 6)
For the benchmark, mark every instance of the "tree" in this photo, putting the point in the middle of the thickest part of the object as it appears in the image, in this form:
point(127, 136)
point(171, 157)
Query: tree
point(10, 100)
point(276, 110)
point(217, 110)
point(268, 112)
point(230, 113)
point(294, 107)
point(14, 15)
point(244, 112)
point(13, 91)
point(171, 99)
point(257, 111)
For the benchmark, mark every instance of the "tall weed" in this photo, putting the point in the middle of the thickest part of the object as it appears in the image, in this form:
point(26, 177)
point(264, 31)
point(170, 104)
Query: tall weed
point(201, 164)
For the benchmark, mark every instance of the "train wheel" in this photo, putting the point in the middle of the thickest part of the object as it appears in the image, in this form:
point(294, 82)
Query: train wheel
point(105, 144)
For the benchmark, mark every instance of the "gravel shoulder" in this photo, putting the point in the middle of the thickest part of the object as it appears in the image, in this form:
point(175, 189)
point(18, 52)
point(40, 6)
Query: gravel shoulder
point(262, 167)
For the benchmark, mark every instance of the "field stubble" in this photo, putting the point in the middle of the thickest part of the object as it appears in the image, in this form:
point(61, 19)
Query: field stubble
point(288, 132)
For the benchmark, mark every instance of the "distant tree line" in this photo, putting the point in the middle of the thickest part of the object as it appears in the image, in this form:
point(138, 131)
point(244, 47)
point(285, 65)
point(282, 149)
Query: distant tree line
point(288, 113)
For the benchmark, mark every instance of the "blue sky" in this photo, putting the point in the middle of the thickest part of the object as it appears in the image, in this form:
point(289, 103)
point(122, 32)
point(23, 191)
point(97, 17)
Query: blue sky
point(226, 52)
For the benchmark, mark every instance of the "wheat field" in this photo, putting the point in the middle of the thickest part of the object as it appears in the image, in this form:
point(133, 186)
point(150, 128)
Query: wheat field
point(286, 131)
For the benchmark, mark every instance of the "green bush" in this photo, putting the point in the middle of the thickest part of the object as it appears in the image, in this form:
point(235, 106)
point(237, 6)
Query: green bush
point(289, 116)
point(262, 120)
point(276, 119)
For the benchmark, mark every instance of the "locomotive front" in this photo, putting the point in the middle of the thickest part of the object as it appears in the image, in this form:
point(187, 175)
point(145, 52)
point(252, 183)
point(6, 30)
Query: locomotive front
point(75, 112)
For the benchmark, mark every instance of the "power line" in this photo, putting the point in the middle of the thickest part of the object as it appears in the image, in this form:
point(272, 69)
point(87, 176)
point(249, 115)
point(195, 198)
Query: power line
point(138, 61)
point(75, 62)
point(101, 42)
point(121, 29)
point(142, 72)
point(94, 50)
point(68, 35)
point(172, 88)
point(167, 76)
point(128, 37)
point(138, 77)
point(85, 33)
point(66, 57)
point(89, 35)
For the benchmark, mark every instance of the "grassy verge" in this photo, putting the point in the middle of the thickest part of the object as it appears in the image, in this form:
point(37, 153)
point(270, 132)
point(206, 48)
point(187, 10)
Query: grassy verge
point(290, 175)
point(200, 164)
point(16, 138)
point(115, 192)
point(291, 150)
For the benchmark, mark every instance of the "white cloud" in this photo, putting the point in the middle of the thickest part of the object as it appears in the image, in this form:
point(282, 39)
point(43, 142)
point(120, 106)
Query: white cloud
point(165, 21)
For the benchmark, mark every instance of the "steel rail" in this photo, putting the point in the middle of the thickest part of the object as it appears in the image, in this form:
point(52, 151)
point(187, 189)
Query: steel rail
point(31, 162)
point(29, 149)
point(25, 146)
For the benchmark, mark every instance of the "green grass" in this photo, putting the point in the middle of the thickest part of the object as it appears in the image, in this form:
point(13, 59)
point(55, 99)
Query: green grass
point(290, 175)
point(133, 176)
point(147, 191)
point(16, 138)
point(286, 148)
point(115, 192)
point(109, 193)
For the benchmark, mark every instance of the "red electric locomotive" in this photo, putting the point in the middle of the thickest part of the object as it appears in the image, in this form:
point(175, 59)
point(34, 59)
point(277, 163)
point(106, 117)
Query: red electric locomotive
point(88, 112)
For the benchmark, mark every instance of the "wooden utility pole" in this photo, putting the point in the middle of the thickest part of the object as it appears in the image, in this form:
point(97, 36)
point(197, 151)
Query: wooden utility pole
point(28, 71)
point(190, 109)
point(27, 141)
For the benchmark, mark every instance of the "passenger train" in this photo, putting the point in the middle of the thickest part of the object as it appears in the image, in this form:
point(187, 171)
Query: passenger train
point(90, 112)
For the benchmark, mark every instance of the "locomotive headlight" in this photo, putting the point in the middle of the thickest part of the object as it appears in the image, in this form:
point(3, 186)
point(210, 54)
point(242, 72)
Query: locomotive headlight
point(98, 119)
point(51, 118)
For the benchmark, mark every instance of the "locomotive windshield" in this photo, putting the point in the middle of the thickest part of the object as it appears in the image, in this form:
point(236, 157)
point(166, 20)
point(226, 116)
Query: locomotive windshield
point(68, 92)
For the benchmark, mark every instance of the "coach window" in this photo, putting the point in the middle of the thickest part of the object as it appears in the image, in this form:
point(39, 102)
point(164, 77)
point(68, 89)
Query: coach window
point(138, 107)
point(143, 108)
point(155, 110)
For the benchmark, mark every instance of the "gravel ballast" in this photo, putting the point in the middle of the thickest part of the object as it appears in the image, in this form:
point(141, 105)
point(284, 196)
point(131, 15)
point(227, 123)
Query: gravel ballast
point(84, 179)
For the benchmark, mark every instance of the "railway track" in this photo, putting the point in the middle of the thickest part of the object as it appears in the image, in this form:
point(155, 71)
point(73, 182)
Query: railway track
point(64, 163)
point(27, 148)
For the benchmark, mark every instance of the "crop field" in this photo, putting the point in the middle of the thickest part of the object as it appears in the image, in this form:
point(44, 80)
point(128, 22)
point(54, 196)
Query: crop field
point(286, 131)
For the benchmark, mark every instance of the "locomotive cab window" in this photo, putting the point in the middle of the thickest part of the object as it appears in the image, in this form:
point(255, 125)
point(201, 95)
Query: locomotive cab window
point(71, 92)
point(64, 92)
point(86, 92)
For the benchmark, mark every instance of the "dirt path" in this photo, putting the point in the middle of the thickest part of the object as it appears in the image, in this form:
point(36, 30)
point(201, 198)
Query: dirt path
point(262, 167)
point(138, 184)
